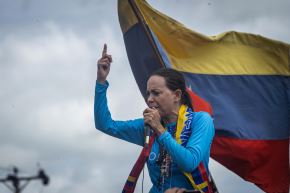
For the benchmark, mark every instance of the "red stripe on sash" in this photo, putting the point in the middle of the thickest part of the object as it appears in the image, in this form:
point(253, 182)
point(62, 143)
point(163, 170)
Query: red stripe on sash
point(204, 176)
point(131, 182)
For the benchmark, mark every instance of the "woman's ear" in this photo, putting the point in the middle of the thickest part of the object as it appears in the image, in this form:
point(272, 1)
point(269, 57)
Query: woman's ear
point(178, 94)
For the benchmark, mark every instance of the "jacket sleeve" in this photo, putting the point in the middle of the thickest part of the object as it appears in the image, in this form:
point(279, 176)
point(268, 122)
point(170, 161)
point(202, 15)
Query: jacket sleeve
point(198, 145)
point(131, 130)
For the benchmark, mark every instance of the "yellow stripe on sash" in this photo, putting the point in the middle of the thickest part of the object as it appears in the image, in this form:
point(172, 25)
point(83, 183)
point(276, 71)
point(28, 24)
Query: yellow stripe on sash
point(131, 179)
point(195, 186)
point(180, 122)
point(182, 118)
point(191, 180)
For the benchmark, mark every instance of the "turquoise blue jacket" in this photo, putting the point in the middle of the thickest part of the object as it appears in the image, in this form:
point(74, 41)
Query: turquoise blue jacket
point(184, 158)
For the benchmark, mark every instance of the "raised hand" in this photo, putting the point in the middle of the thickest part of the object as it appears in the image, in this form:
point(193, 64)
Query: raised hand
point(104, 64)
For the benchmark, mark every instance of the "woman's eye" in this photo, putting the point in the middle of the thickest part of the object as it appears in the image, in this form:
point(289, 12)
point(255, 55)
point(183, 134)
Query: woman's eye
point(152, 93)
point(155, 93)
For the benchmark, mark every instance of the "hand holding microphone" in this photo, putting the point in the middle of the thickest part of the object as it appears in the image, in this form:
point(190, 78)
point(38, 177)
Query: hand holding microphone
point(153, 121)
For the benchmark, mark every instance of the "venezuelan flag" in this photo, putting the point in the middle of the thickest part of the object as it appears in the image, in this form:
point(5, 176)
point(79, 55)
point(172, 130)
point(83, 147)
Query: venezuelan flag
point(245, 77)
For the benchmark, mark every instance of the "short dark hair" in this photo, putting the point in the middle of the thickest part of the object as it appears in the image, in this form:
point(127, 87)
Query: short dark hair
point(174, 80)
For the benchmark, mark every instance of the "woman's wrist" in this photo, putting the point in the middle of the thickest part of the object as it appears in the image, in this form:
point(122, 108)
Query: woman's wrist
point(160, 130)
point(102, 81)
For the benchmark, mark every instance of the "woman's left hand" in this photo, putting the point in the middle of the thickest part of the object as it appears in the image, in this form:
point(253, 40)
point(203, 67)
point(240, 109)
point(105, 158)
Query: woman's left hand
point(175, 190)
point(152, 118)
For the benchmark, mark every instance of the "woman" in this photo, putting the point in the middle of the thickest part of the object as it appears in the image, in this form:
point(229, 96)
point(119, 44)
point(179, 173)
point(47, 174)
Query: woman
point(183, 137)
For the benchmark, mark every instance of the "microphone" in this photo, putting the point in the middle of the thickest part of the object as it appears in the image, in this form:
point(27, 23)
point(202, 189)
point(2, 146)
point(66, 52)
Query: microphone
point(147, 131)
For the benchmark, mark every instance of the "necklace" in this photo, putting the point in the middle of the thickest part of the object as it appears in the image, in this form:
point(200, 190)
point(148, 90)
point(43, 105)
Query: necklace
point(165, 160)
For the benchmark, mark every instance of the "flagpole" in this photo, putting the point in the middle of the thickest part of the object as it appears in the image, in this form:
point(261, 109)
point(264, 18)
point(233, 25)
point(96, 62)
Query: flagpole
point(147, 31)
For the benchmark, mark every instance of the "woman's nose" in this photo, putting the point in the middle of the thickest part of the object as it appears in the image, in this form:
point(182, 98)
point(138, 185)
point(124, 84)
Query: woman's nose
point(149, 99)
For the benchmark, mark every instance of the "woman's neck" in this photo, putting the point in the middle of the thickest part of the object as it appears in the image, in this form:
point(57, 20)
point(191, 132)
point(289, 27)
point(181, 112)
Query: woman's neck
point(172, 117)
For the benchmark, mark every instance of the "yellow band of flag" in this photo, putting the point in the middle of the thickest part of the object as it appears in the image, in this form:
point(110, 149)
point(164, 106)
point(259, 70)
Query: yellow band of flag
point(230, 53)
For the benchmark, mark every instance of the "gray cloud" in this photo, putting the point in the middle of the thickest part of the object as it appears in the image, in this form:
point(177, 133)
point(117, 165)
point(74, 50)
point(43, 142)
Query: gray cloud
point(48, 51)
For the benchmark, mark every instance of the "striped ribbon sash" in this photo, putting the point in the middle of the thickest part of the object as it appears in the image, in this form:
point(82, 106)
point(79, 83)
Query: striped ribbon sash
point(131, 182)
point(199, 177)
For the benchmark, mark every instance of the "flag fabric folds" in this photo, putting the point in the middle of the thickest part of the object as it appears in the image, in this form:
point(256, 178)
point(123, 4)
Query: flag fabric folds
point(245, 77)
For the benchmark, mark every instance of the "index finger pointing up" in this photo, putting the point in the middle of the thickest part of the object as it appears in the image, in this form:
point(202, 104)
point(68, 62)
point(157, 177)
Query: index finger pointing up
point(104, 50)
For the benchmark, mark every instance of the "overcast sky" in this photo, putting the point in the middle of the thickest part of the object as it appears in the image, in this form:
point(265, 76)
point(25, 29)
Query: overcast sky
point(48, 53)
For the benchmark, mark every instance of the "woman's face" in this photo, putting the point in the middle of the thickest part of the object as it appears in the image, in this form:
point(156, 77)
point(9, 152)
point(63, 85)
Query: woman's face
point(160, 97)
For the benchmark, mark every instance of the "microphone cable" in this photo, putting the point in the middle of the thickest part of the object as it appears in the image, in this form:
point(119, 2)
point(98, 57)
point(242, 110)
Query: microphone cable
point(143, 180)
